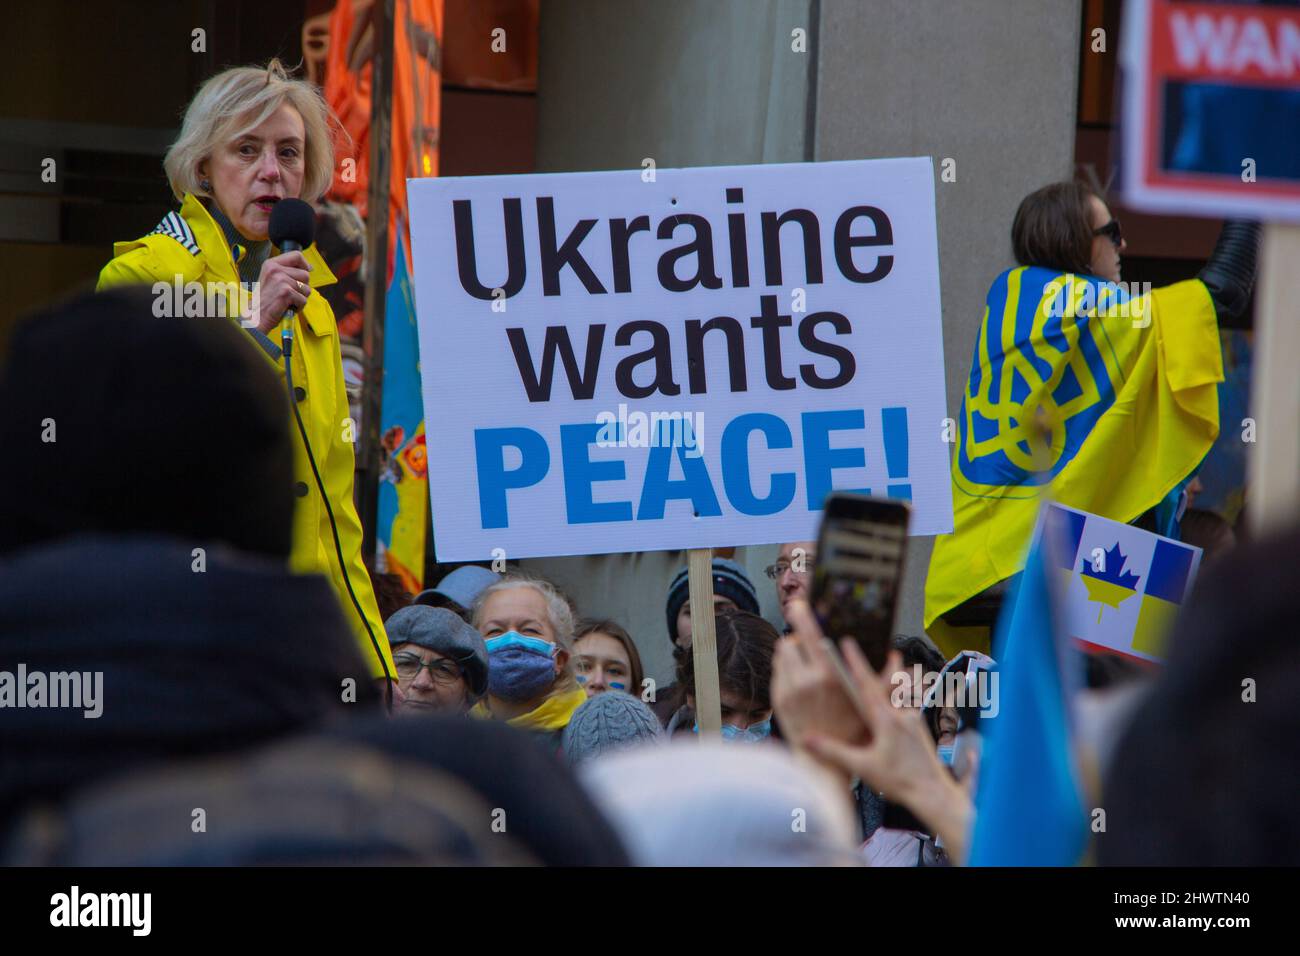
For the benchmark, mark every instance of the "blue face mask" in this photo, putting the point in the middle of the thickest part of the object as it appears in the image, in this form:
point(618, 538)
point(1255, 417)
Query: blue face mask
point(515, 639)
point(519, 668)
point(750, 735)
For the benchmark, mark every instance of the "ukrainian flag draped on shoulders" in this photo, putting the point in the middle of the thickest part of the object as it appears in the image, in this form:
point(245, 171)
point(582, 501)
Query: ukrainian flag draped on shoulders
point(1111, 400)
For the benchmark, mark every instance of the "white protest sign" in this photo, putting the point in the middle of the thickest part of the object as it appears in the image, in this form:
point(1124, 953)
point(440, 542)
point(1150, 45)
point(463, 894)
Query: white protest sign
point(1118, 587)
point(615, 364)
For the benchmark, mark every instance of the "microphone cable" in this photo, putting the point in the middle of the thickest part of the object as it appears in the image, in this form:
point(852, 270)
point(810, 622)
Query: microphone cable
point(286, 340)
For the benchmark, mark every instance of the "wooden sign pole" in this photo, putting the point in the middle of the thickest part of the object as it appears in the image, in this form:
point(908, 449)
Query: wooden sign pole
point(1273, 466)
point(704, 643)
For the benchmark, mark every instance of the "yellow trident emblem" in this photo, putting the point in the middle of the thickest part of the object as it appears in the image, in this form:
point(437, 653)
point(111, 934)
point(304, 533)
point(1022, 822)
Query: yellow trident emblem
point(1031, 433)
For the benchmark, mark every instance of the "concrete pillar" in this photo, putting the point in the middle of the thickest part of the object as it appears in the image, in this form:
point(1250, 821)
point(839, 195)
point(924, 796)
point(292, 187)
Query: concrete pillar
point(991, 86)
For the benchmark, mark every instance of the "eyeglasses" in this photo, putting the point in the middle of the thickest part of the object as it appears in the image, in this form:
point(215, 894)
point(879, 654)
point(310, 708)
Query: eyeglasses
point(777, 571)
point(441, 670)
point(1112, 232)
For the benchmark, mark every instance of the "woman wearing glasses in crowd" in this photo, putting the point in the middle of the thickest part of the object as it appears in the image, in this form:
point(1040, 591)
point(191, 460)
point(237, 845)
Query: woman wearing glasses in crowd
point(440, 661)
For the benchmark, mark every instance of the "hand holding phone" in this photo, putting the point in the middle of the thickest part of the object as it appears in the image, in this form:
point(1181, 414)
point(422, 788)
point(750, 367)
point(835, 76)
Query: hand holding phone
point(860, 549)
point(812, 691)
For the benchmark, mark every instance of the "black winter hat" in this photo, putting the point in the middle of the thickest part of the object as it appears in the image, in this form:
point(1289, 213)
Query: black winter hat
point(120, 421)
point(729, 580)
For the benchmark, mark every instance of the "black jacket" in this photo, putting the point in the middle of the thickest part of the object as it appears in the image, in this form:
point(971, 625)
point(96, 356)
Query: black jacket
point(193, 662)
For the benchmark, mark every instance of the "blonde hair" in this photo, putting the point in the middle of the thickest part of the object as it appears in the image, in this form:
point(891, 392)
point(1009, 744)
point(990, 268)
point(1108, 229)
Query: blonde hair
point(237, 100)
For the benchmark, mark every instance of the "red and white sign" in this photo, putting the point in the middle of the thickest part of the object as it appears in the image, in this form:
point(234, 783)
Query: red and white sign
point(1212, 108)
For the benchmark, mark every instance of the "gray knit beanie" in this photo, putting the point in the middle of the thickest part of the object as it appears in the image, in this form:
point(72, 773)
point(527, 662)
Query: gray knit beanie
point(608, 722)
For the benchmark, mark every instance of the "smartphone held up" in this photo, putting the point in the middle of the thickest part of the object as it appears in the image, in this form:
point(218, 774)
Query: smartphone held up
point(855, 586)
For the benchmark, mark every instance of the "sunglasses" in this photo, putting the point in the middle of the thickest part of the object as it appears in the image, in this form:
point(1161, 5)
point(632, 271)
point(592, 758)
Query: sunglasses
point(1112, 232)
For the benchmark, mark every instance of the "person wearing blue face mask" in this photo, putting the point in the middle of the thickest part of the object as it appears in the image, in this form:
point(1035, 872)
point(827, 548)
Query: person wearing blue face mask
point(527, 626)
point(746, 644)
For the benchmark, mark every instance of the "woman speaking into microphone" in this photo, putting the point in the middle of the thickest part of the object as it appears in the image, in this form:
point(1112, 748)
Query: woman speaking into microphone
point(251, 138)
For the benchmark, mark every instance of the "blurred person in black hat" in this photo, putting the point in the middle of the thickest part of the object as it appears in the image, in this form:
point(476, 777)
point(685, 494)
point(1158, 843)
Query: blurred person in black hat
point(1199, 775)
point(442, 662)
point(145, 531)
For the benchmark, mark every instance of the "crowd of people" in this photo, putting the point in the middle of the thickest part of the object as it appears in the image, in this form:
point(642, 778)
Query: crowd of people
point(167, 540)
point(517, 730)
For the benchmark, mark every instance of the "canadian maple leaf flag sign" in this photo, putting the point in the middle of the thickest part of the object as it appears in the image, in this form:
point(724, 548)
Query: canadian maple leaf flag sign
point(1116, 587)
point(1108, 582)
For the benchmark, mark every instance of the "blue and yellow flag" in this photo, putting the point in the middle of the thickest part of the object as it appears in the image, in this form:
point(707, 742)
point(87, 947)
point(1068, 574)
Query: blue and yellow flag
point(1030, 807)
point(1107, 402)
point(404, 472)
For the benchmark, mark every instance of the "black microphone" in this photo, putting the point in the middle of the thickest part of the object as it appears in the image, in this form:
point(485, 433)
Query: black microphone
point(292, 229)
point(293, 225)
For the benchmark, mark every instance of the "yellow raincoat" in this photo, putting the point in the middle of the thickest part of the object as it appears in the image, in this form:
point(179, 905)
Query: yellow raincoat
point(189, 247)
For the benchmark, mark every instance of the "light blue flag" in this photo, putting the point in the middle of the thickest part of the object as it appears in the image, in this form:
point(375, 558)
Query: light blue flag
point(1029, 811)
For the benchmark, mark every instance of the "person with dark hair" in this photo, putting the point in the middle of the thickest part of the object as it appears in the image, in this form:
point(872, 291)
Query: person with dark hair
point(102, 407)
point(390, 593)
point(1064, 355)
point(1209, 532)
point(144, 546)
point(606, 658)
point(920, 659)
point(1204, 772)
point(745, 644)
point(732, 590)
point(1066, 227)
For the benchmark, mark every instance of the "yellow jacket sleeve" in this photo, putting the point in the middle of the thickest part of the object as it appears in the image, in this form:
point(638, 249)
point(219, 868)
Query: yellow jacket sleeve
point(337, 470)
point(153, 259)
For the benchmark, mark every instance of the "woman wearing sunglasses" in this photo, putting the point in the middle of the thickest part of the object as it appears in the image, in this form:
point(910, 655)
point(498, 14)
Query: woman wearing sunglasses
point(1103, 391)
